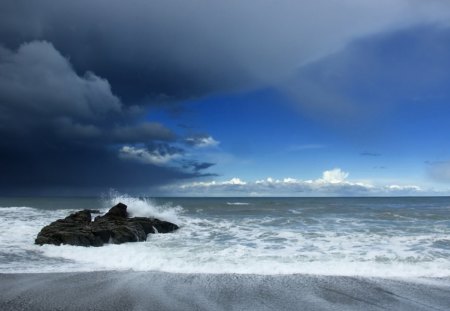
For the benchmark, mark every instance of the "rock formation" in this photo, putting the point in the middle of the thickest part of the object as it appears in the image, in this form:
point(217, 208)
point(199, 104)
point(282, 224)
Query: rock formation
point(113, 227)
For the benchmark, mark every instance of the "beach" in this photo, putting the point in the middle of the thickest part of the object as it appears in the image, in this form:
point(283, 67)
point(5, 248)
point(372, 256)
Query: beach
point(112, 290)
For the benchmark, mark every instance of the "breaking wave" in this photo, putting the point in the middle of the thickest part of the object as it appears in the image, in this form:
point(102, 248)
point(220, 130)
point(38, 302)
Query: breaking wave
point(280, 242)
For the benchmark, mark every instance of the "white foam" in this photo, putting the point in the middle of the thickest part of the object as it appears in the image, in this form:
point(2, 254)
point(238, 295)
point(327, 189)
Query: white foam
point(238, 203)
point(18, 229)
point(151, 256)
point(144, 207)
point(249, 246)
point(231, 245)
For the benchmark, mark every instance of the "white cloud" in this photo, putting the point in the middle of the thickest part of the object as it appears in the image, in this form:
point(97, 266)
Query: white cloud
point(334, 176)
point(202, 141)
point(146, 156)
point(332, 183)
point(235, 181)
point(403, 188)
point(213, 184)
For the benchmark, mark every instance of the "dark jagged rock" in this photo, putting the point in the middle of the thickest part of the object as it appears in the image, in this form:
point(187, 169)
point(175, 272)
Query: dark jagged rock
point(83, 216)
point(119, 210)
point(113, 227)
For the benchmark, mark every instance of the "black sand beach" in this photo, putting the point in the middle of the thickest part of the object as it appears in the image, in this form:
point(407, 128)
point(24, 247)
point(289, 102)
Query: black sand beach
point(167, 291)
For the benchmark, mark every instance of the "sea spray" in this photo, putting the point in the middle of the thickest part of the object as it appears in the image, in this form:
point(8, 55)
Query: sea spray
point(143, 207)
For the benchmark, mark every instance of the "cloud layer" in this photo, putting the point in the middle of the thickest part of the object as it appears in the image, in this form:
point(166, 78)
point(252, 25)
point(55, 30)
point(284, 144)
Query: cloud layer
point(177, 49)
point(333, 182)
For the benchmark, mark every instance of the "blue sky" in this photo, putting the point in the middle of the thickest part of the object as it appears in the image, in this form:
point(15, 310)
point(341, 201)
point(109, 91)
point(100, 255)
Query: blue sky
point(394, 90)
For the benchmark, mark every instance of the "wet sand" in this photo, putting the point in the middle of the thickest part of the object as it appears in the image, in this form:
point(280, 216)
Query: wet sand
point(112, 290)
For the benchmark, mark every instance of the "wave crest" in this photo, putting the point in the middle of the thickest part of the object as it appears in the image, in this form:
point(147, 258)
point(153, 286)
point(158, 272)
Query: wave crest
point(143, 207)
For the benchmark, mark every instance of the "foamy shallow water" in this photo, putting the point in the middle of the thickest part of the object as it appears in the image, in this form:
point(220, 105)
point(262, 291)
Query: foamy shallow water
point(397, 237)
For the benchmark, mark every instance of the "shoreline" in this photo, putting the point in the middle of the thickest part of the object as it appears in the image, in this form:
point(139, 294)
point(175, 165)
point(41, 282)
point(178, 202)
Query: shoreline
point(130, 290)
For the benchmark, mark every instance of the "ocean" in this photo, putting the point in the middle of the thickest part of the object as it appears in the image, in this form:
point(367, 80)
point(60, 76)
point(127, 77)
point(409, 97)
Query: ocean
point(235, 254)
point(404, 239)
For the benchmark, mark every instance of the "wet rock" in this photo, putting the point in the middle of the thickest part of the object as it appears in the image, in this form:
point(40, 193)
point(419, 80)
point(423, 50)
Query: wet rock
point(119, 211)
point(113, 227)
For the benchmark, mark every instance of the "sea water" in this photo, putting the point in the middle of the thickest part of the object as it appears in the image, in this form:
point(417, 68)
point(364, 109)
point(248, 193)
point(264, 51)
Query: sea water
point(380, 237)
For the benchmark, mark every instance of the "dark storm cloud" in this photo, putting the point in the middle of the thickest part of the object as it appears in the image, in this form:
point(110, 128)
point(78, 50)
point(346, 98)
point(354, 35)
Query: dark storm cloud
point(37, 82)
point(197, 166)
point(39, 90)
point(168, 50)
point(72, 167)
point(142, 132)
point(202, 166)
point(147, 50)
point(59, 129)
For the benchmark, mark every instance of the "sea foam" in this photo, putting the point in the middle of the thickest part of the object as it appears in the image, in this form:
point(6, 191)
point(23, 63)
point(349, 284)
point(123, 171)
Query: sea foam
point(259, 243)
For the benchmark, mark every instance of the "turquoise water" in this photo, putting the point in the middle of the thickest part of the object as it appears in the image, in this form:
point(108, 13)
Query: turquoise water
point(388, 237)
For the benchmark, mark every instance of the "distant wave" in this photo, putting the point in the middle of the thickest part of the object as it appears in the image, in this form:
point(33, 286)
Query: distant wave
point(238, 203)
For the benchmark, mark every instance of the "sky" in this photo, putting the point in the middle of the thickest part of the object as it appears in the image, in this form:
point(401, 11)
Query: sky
point(231, 98)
